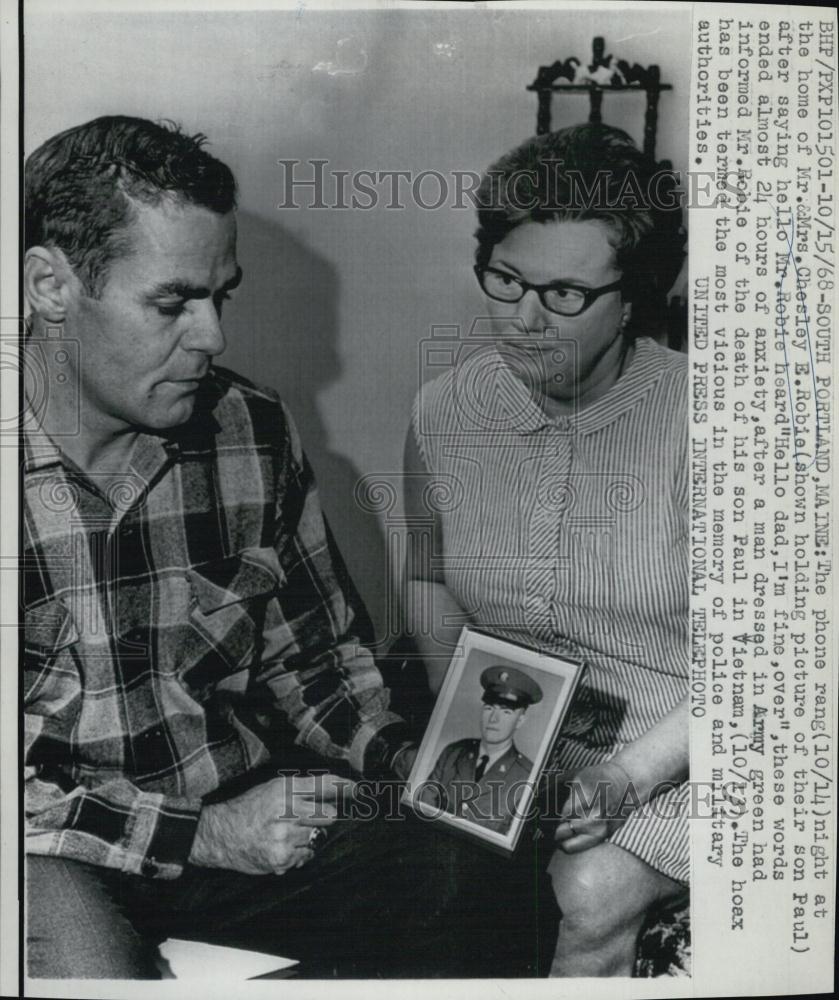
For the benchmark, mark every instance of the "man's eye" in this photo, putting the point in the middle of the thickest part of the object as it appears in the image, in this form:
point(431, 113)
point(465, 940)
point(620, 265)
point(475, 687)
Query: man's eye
point(175, 309)
point(220, 299)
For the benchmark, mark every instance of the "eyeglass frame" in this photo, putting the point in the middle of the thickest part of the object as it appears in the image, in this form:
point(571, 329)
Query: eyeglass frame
point(590, 295)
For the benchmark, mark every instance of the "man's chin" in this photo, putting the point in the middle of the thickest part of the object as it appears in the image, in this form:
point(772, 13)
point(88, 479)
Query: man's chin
point(172, 416)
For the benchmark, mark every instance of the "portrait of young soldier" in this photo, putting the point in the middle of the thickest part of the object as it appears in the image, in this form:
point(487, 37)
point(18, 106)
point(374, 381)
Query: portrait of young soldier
point(482, 779)
point(190, 628)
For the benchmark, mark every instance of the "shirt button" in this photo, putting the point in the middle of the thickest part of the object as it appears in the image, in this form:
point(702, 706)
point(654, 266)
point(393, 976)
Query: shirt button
point(149, 866)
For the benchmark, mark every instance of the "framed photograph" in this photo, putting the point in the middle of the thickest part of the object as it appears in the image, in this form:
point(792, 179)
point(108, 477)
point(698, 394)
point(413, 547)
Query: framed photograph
point(498, 713)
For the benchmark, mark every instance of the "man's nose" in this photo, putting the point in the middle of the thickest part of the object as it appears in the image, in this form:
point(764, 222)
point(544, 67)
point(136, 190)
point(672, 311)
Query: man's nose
point(205, 333)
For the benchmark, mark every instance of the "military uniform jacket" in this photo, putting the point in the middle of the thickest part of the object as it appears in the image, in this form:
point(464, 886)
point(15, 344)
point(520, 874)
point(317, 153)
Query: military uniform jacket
point(490, 801)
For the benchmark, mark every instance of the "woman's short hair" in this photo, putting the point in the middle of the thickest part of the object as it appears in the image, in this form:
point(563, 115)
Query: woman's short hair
point(80, 184)
point(589, 172)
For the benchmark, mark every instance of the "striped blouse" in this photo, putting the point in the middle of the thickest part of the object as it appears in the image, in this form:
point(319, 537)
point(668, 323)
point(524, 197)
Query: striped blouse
point(570, 534)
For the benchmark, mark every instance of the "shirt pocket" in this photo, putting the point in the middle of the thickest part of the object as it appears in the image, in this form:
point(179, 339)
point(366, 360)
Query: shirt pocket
point(49, 633)
point(229, 598)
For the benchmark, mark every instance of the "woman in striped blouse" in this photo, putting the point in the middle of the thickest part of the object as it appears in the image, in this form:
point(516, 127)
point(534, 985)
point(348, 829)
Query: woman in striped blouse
point(555, 456)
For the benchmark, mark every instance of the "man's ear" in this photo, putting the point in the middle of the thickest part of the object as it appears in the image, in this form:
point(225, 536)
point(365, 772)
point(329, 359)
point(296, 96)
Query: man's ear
point(48, 282)
point(520, 719)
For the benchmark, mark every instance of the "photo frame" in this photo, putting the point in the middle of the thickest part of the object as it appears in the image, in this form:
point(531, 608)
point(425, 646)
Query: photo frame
point(494, 723)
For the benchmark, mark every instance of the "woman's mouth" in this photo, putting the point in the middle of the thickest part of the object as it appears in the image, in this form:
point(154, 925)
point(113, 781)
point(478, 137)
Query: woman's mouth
point(531, 346)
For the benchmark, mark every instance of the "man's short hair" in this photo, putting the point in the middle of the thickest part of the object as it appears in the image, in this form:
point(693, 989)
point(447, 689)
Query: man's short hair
point(79, 186)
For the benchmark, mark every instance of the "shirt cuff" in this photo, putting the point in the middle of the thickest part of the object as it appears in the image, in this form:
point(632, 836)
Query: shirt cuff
point(160, 836)
point(383, 748)
point(365, 734)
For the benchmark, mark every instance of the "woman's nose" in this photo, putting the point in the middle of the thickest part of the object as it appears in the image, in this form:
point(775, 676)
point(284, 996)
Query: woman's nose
point(536, 318)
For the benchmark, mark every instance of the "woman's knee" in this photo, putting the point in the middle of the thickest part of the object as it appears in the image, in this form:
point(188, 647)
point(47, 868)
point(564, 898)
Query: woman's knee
point(580, 893)
point(602, 890)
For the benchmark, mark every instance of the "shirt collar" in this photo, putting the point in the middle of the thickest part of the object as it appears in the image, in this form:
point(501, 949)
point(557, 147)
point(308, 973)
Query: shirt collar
point(151, 451)
point(494, 758)
point(524, 416)
point(39, 450)
point(490, 399)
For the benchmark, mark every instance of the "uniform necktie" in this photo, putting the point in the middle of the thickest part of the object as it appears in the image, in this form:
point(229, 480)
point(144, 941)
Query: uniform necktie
point(483, 760)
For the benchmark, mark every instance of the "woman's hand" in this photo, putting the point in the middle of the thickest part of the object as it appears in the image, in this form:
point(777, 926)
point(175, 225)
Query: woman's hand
point(600, 800)
point(403, 762)
point(604, 795)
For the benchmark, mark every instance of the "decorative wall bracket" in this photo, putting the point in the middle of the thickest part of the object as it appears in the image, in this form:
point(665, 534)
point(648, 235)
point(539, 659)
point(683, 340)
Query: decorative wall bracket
point(603, 74)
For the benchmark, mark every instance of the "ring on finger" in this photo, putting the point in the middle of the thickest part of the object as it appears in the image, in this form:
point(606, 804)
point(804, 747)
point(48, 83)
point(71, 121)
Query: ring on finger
point(316, 838)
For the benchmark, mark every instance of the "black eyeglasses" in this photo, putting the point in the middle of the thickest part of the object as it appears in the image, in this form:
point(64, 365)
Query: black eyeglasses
point(557, 296)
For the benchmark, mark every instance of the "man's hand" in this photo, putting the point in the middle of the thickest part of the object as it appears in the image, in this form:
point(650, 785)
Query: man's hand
point(266, 830)
point(601, 798)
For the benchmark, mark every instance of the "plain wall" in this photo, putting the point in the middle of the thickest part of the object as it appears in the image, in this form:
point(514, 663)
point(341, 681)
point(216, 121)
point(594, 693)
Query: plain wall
point(335, 304)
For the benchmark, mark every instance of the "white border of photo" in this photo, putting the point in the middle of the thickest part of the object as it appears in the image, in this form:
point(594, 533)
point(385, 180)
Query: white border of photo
point(534, 662)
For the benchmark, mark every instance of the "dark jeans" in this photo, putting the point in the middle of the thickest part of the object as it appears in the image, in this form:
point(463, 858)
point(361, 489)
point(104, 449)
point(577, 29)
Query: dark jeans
point(380, 899)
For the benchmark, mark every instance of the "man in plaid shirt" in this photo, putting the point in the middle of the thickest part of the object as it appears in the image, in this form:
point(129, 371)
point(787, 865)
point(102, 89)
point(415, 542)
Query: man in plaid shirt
point(188, 620)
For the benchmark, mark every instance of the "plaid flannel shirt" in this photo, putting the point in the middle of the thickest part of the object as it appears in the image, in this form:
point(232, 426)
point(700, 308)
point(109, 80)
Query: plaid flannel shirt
point(183, 623)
